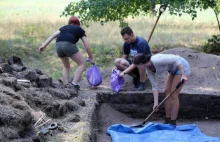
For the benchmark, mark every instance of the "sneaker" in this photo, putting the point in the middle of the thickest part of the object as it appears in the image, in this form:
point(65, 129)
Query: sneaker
point(76, 87)
point(167, 120)
point(173, 122)
point(142, 86)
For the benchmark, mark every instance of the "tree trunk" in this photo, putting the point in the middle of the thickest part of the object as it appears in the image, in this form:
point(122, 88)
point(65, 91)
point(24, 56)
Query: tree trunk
point(216, 14)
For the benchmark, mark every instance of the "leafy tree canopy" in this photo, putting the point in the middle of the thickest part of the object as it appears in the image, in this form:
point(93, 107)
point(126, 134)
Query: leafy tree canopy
point(117, 10)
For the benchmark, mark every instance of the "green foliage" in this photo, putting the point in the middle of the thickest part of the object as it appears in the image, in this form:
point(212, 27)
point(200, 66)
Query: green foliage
point(106, 10)
point(212, 45)
point(217, 7)
point(56, 74)
point(117, 10)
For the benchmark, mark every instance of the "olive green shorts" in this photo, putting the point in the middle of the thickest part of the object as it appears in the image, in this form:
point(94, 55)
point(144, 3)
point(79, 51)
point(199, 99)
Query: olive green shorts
point(66, 49)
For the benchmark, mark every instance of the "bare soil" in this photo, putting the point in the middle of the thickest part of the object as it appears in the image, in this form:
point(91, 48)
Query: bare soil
point(74, 111)
point(108, 116)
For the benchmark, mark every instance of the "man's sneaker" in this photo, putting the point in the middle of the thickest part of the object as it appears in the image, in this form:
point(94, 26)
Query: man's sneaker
point(142, 86)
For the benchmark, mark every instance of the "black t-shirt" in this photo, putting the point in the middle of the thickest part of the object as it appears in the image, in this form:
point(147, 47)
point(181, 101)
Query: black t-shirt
point(70, 33)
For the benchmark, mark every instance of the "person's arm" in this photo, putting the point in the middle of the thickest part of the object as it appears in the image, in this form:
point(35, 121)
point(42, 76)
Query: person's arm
point(126, 71)
point(184, 76)
point(49, 39)
point(88, 49)
point(153, 80)
point(180, 67)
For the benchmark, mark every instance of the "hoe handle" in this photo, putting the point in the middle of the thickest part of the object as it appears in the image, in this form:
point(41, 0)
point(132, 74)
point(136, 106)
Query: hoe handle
point(177, 87)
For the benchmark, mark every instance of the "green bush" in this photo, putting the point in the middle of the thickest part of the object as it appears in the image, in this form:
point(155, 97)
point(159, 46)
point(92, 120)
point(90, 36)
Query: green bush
point(212, 45)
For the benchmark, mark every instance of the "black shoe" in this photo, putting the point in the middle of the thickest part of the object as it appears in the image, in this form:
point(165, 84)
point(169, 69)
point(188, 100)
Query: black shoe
point(167, 120)
point(173, 122)
point(75, 87)
point(142, 86)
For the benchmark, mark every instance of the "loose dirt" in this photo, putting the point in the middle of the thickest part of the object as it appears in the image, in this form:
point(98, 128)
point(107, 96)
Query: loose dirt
point(73, 111)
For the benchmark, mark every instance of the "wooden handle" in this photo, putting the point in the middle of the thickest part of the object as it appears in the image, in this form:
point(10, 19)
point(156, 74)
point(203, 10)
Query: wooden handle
point(177, 87)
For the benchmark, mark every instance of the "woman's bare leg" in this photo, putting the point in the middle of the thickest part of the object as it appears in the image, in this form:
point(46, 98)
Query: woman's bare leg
point(66, 69)
point(167, 90)
point(78, 58)
point(142, 75)
point(175, 97)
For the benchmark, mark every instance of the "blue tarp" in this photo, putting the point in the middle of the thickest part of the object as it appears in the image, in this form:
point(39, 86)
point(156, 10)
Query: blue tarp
point(155, 132)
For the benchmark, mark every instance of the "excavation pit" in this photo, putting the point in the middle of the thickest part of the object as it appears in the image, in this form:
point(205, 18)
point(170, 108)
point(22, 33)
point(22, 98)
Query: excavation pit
point(132, 108)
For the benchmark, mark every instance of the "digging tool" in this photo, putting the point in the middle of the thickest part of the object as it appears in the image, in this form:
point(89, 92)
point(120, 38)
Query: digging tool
point(44, 130)
point(161, 10)
point(177, 87)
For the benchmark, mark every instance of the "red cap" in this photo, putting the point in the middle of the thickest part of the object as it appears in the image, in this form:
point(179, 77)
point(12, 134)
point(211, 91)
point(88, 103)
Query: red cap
point(74, 20)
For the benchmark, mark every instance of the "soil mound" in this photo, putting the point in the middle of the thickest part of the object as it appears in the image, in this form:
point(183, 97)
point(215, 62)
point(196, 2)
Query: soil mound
point(204, 77)
point(23, 93)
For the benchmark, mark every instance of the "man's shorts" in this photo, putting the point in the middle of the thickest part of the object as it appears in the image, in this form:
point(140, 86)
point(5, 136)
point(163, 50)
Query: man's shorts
point(66, 49)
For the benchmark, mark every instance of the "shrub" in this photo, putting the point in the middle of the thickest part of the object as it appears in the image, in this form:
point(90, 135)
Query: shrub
point(212, 45)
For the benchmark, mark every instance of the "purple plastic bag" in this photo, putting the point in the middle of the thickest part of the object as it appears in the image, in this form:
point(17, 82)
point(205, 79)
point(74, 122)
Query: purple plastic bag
point(94, 76)
point(116, 80)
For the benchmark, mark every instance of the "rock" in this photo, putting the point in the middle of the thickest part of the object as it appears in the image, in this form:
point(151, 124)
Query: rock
point(7, 75)
point(76, 118)
point(29, 74)
point(15, 60)
point(39, 72)
point(58, 85)
point(6, 68)
point(18, 68)
point(2, 60)
point(9, 81)
point(72, 93)
point(59, 93)
point(44, 81)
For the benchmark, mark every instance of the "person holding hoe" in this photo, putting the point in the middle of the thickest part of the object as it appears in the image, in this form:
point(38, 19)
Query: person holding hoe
point(178, 69)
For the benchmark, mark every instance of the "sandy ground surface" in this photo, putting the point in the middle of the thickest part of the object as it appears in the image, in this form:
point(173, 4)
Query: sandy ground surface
point(108, 116)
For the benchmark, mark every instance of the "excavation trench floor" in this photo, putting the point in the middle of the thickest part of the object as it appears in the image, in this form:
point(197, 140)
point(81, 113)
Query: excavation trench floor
point(107, 116)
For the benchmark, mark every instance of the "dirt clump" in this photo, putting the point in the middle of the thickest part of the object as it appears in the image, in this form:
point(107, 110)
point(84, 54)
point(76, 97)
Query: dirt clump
point(23, 93)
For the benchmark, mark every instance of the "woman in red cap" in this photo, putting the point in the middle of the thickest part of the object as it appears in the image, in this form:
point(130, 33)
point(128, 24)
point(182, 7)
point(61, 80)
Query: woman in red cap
point(67, 37)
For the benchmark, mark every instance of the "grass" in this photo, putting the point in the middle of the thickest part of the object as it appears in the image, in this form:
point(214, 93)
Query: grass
point(24, 25)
